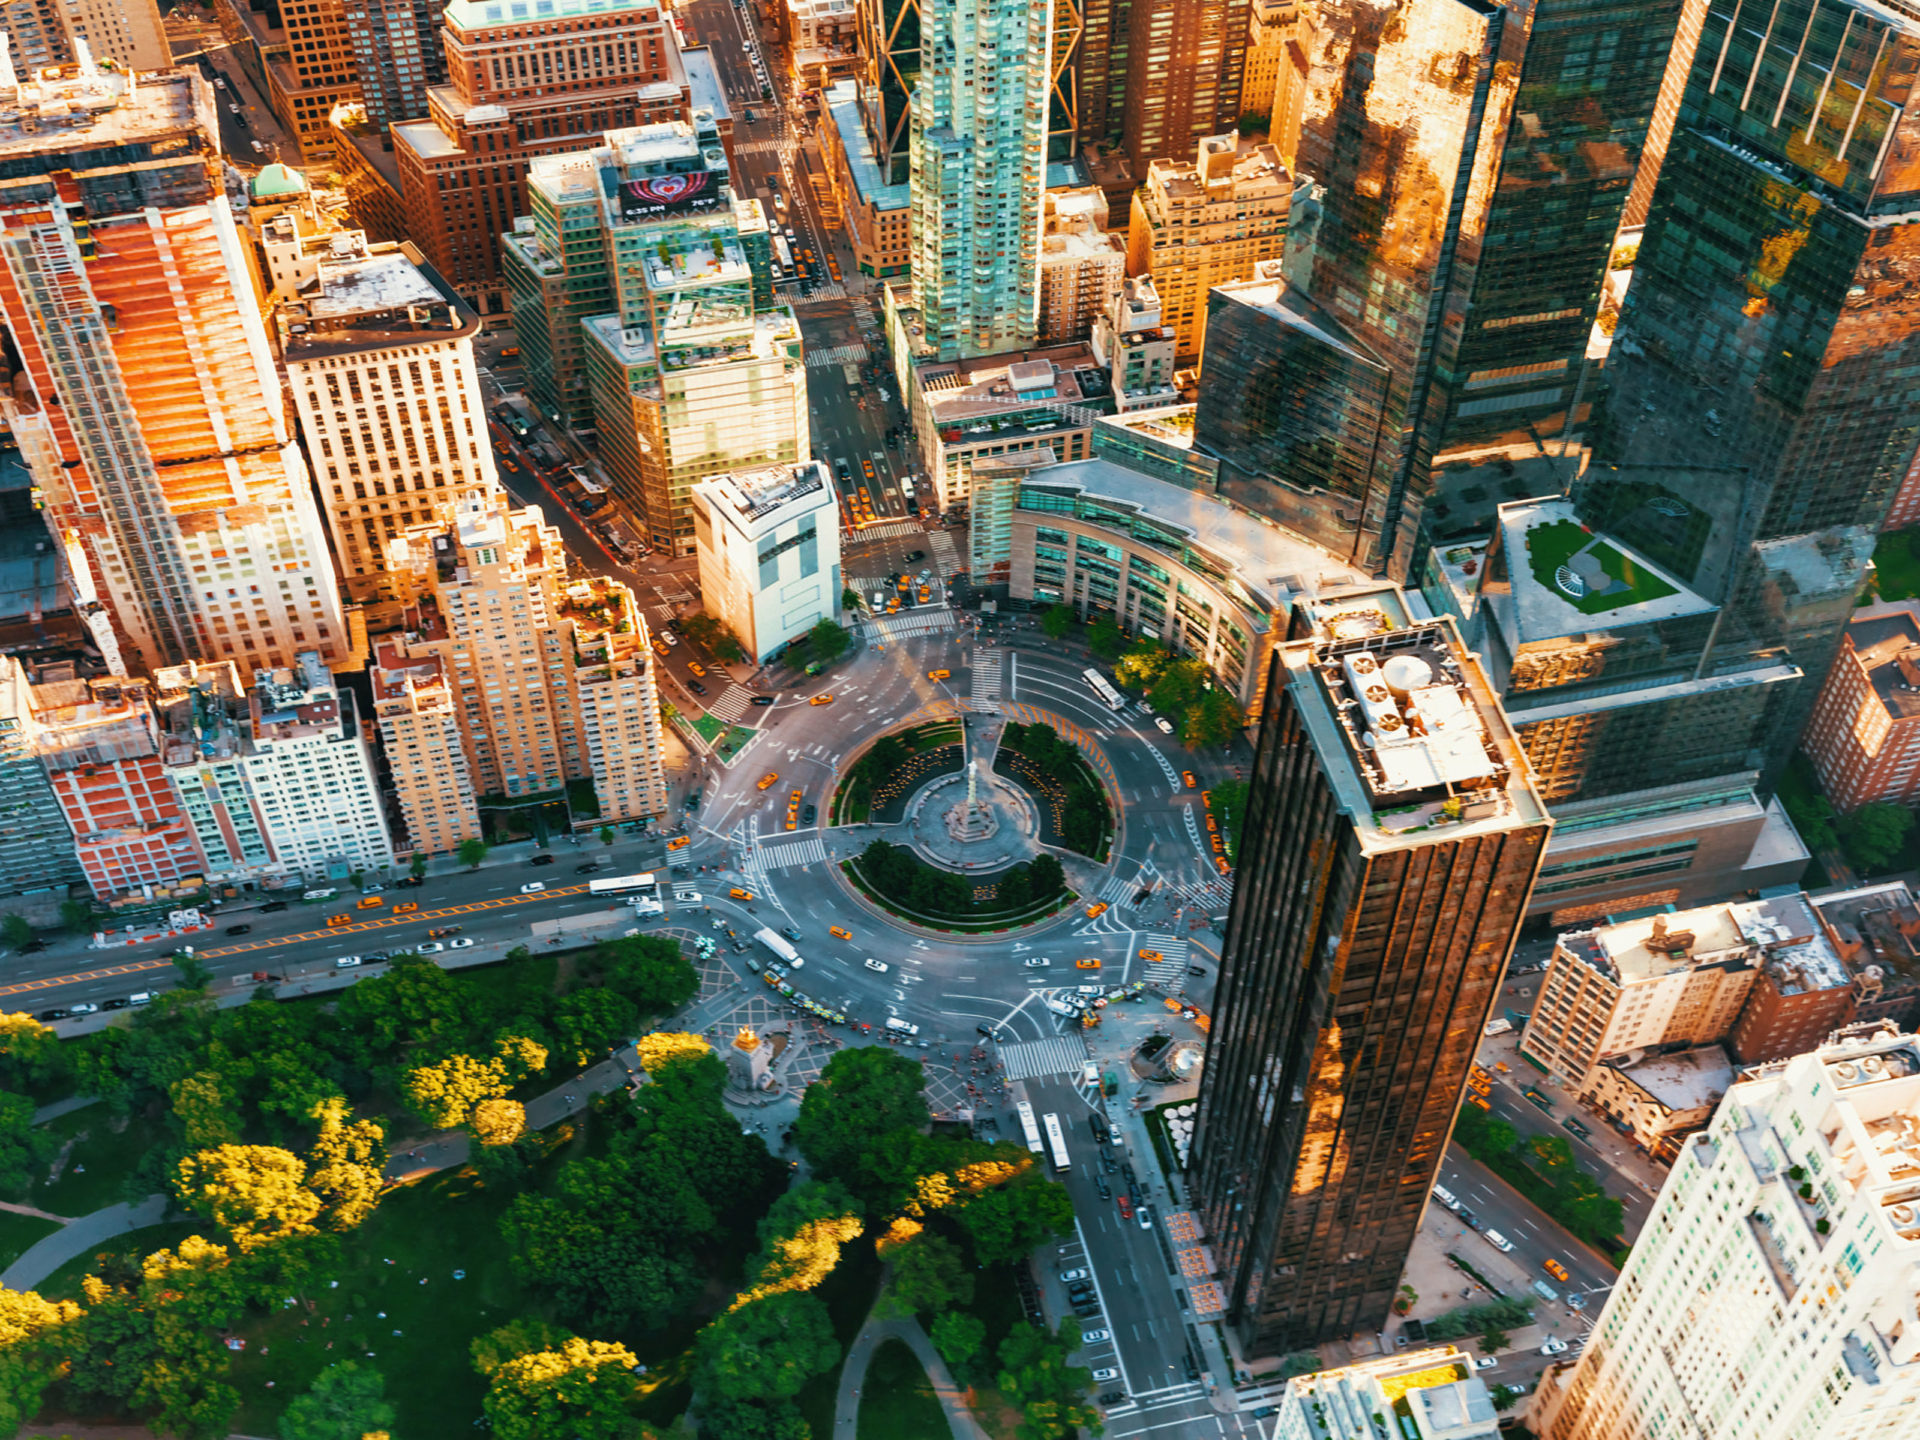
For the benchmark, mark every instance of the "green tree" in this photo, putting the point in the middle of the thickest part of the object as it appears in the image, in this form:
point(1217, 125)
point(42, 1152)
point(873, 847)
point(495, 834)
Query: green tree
point(1141, 663)
point(1874, 835)
point(1505, 1396)
point(582, 1390)
point(32, 1342)
point(1230, 811)
point(15, 931)
point(1010, 1220)
point(649, 970)
point(754, 1420)
point(801, 1237)
point(828, 640)
point(659, 1048)
point(195, 973)
point(30, 1053)
point(347, 1167)
point(1105, 637)
point(607, 835)
point(517, 1337)
point(1812, 815)
point(1213, 719)
point(417, 866)
point(1494, 1341)
point(77, 915)
point(499, 1121)
point(206, 1107)
point(930, 1274)
point(959, 1337)
point(850, 599)
point(766, 1350)
point(348, 1400)
point(587, 1023)
point(861, 1095)
point(1178, 687)
point(444, 1094)
point(1036, 1376)
point(256, 1193)
point(471, 852)
point(1057, 620)
point(1045, 877)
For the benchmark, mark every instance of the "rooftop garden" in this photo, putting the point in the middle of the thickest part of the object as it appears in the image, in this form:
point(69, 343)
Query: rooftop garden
point(1590, 574)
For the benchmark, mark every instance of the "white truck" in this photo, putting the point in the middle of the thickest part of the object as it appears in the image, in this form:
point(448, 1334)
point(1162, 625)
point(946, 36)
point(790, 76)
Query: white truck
point(777, 943)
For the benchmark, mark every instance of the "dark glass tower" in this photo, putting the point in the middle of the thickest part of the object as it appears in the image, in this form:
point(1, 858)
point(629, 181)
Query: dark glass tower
point(889, 32)
point(1393, 836)
point(1472, 161)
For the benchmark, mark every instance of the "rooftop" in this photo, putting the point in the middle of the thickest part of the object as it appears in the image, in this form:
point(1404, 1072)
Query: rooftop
point(93, 722)
point(1886, 645)
point(1407, 728)
point(1779, 933)
point(704, 90)
point(761, 494)
point(1876, 930)
point(59, 110)
point(1223, 172)
point(995, 393)
point(479, 14)
point(1272, 565)
point(369, 297)
point(843, 105)
point(1428, 1394)
point(1565, 575)
point(1689, 1080)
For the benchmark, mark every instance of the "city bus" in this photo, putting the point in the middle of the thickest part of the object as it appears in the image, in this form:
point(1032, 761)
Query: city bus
point(1102, 687)
point(782, 253)
point(643, 891)
point(1056, 1142)
point(1028, 1129)
point(778, 945)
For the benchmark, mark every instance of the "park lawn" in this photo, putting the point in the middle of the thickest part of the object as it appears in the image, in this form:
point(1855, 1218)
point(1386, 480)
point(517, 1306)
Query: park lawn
point(1551, 546)
point(996, 1302)
point(401, 1262)
point(1896, 565)
point(20, 1233)
point(1642, 584)
point(897, 1400)
point(102, 1159)
point(849, 1294)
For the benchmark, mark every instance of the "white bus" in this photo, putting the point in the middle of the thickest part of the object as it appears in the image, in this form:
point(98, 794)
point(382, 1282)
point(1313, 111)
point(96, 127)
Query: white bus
point(1056, 1142)
point(782, 253)
point(777, 943)
point(643, 891)
point(1104, 689)
point(1029, 1130)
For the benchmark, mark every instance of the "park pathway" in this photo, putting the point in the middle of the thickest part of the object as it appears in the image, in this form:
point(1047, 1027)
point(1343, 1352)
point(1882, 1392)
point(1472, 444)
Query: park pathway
point(875, 1333)
point(77, 1237)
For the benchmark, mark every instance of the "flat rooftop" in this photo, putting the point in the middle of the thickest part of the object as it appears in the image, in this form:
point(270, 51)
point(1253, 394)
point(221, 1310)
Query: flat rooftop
point(762, 493)
point(1272, 564)
point(1886, 645)
point(962, 393)
point(480, 14)
point(1780, 933)
point(72, 115)
point(704, 90)
point(1690, 1080)
point(843, 106)
point(1568, 579)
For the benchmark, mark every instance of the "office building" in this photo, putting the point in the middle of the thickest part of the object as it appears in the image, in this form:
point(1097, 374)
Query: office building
point(1100, 69)
point(1477, 297)
point(1771, 1292)
point(301, 59)
point(1136, 349)
point(308, 763)
point(379, 357)
point(769, 547)
point(978, 170)
point(487, 594)
point(1186, 62)
point(521, 82)
point(36, 845)
point(1864, 737)
point(1656, 1098)
point(1157, 442)
point(1206, 222)
point(878, 212)
point(100, 742)
point(1081, 264)
point(127, 293)
point(1171, 564)
point(555, 265)
point(1270, 25)
point(128, 32)
point(1381, 879)
point(427, 774)
point(1436, 1390)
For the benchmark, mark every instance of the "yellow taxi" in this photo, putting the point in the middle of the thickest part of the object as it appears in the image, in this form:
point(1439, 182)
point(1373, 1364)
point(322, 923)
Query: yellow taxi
point(679, 842)
point(406, 907)
point(821, 700)
point(371, 902)
point(893, 605)
point(838, 933)
point(1188, 776)
point(339, 920)
point(1087, 964)
point(939, 674)
point(766, 780)
point(1481, 1101)
point(926, 594)
point(737, 893)
point(696, 667)
point(1096, 910)
point(1152, 957)
point(1555, 1269)
point(660, 647)
point(1220, 864)
point(903, 585)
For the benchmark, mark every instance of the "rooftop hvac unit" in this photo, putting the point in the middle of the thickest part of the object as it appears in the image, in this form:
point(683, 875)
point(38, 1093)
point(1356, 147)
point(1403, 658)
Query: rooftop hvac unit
point(1902, 1215)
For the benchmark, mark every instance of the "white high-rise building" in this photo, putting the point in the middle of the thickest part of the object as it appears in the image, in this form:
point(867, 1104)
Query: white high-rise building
point(978, 166)
point(1774, 1293)
point(769, 547)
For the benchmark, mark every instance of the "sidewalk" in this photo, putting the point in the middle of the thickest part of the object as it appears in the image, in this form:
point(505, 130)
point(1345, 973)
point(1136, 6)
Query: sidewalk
point(77, 1237)
point(876, 1332)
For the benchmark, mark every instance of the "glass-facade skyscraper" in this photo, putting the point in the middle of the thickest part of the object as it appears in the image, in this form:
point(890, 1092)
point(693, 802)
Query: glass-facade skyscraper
point(979, 163)
point(1391, 843)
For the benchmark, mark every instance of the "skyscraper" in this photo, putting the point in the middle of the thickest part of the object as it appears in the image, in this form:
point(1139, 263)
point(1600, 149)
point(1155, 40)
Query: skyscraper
point(1471, 163)
point(889, 37)
point(978, 172)
point(1392, 838)
point(1185, 64)
point(147, 403)
point(396, 54)
point(1772, 1291)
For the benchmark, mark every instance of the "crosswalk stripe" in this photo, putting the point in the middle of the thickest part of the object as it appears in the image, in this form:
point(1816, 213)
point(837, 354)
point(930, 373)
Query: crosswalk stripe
point(732, 705)
point(820, 293)
point(987, 676)
point(1172, 965)
point(837, 355)
point(946, 555)
point(1056, 1055)
point(784, 857)
point(888, 528)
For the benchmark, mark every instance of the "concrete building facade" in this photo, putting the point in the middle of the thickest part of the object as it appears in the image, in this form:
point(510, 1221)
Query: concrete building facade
point(1136, 349)
point(413, 704)
point(207, 732)
point(1436, 1389)
point(769, 548)
point(878, 213)
point(1864, 734)
point(1081, 264)
point(36, 845)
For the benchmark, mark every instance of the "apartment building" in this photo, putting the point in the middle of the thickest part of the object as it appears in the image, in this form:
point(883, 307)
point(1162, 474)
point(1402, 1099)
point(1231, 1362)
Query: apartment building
point(206, 733)
point(1206, 222)
point(301, 58)
point(126, 290)
point(878, 212)
point(397, 55)
point(1876, 931)
point(822, 25)
point(1437, 1389)
point(427, 774)
point(1186, 62)
point(101, 745)
point(486, 592)
point(1269, 27)
point(128, 32)
point(769, 547)
point(379, 357)
point(309, 765)
point(36, 845)
point(1864, 734)
point(1137, 350)
point(1774, 1291)
point(1081, 264)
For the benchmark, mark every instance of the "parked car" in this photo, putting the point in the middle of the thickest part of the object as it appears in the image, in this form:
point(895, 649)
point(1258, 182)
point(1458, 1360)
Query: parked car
point(119, 1002)
point(460, 944)
point(272, 906)
point(1105, 1373)
point(55, 1014)
point(1095, 1337)
point(1145, 1216)
point(1497, 1241)
point(84, 1007)
point(1485, 1362)
point(1067, 1277)
point(347, 962)
point(432, 947)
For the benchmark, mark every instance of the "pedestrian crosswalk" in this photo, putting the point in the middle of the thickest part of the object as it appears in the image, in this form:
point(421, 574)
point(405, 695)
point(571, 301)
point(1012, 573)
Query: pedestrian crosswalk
point(986, 676)
point(836, 355)
point(1170, 969)
point(888, 528)
point(732, 705)
point(788, 854)
point(1056, 1055)
point(946, 555)
point(758, 147)
point(818, 294)
point(913, 622)
point(1207, 892)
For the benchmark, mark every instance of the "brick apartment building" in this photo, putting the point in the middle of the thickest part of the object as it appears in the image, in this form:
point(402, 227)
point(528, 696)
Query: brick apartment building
point(1864, 737)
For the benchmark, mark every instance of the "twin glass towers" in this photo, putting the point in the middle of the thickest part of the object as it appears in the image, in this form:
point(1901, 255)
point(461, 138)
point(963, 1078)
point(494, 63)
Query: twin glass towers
point(1746, 429)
